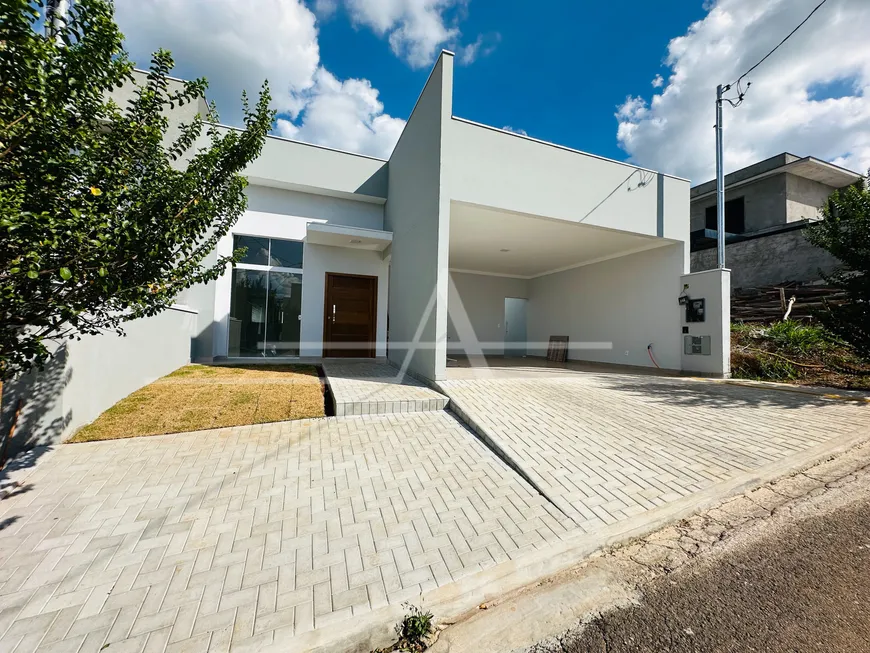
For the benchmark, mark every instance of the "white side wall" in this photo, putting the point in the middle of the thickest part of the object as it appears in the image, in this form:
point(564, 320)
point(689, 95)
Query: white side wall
point(622, 304)
point(476, 304)
point(320, 259)
point(276, 213)
point(715, 287)
point(89, 376)
point(418, 215)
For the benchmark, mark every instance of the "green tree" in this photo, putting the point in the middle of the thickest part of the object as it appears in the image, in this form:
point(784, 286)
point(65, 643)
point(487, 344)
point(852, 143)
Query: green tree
point(844, 231)
point(104, 217)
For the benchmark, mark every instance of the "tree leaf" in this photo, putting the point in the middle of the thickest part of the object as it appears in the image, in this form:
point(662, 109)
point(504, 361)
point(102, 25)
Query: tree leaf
point(94, 182)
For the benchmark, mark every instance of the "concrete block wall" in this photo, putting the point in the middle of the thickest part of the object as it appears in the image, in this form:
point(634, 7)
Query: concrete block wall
point(769, 260)
point(764, 202)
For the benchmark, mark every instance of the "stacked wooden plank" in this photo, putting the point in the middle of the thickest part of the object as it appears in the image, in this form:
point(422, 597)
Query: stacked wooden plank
point(770, 303)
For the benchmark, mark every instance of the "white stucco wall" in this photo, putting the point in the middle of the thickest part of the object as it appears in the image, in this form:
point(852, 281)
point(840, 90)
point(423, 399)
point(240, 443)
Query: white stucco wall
point(300, 166)
point(277, 213)
point(334, 210)
point(630, 302)
point(498, 169)
point(715, 287)
point(89, 376)
point(320, 259)
point(476, 302)
point(418, 215)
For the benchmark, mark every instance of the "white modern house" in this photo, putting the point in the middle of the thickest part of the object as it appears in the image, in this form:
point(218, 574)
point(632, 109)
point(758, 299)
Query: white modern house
point(468, 241)
point(432, 253)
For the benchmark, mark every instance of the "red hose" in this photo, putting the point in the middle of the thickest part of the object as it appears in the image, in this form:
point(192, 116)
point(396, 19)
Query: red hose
point(649, 351)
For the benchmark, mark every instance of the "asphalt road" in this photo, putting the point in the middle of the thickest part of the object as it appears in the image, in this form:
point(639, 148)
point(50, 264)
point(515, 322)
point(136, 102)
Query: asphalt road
point(802, 586)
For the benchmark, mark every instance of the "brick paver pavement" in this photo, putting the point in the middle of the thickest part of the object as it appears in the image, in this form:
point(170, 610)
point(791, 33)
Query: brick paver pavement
point(236, 538)
point(604, 447)
point(248, 535)
point(372, 388)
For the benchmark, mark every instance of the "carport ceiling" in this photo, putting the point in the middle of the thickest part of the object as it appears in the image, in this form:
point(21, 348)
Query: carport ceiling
point(535, 246)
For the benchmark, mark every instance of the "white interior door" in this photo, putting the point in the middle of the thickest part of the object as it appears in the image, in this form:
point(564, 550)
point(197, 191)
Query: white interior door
point(515, 326)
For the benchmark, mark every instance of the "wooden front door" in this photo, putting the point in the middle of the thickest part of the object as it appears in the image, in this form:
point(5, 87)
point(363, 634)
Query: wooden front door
point(350, 316)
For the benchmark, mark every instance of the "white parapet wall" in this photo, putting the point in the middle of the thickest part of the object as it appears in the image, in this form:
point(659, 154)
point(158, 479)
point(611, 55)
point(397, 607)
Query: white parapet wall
point(87, 376)
point(701, 356)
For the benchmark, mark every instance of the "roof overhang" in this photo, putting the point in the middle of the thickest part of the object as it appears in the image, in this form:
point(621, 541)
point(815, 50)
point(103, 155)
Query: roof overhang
point(809, 168)
point(822, 172)
point(352, 237)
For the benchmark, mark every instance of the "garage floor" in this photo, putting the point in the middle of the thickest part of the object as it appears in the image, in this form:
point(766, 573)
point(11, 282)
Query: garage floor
point(604, 446)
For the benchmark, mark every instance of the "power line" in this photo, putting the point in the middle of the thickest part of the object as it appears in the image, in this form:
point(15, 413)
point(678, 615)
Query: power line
point(720, 148)
point(643, 182)
point(767, 56)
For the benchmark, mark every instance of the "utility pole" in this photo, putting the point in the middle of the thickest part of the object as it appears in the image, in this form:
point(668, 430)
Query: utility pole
point(55, 16)
point(720, 181)
point(721, 90)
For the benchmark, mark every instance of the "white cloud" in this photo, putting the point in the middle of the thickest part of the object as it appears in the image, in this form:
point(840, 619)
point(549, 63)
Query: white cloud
point(325, 8)
point(237, 44)
point(658, 81)
point(673, 130)
point(483, 47)
point(417, 29)
point(514, 130)
point(345, 115)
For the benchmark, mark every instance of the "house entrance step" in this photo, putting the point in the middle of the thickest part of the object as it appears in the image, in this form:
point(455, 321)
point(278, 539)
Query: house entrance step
point(374, 388)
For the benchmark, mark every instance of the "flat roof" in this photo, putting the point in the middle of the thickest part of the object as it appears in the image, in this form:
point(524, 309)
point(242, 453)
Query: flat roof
point(808, 167)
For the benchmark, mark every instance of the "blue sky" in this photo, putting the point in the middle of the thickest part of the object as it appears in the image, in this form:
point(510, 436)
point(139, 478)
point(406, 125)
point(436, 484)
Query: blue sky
point(559, 72)
point(346, 73)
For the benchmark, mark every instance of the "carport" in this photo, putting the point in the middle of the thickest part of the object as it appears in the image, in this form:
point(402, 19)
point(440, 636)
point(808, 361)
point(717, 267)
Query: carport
point(518, 279)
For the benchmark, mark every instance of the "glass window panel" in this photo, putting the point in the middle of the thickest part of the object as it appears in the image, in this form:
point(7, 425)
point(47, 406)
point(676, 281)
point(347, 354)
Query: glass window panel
point(258, 249)
point(285, 307)
point(286, 253)
point(247, 313)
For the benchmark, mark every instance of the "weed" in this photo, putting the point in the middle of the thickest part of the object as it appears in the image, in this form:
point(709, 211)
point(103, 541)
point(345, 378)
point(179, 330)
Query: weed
point(414, 629)
point(798, 338)
point(794, 352)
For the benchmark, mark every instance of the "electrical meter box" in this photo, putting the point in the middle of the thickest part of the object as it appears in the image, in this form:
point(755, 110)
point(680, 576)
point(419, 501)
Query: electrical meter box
point(696, 310)
point(697, 345)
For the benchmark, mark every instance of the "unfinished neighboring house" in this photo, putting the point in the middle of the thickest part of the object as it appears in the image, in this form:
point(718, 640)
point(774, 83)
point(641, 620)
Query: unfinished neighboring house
point(767, 207)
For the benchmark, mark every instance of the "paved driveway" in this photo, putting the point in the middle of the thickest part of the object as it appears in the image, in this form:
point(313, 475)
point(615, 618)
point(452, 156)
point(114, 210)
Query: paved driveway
point(604, 447)
point(250, 535)
point(238, 538)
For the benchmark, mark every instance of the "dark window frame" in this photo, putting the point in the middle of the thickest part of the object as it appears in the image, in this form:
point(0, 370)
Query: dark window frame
point(290, 254)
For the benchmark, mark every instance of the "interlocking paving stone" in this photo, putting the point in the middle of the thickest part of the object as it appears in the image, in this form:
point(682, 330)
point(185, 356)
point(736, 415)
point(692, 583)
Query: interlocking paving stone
point(372, 388)
point(239, 537)
point(604, 447)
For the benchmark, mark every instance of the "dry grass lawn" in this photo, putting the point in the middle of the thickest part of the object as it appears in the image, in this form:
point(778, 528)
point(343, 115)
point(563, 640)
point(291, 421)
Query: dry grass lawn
point(198, 397)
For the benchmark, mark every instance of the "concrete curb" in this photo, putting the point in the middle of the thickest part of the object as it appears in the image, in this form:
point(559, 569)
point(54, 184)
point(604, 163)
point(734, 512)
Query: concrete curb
point(375, 629)
point(837, 394)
